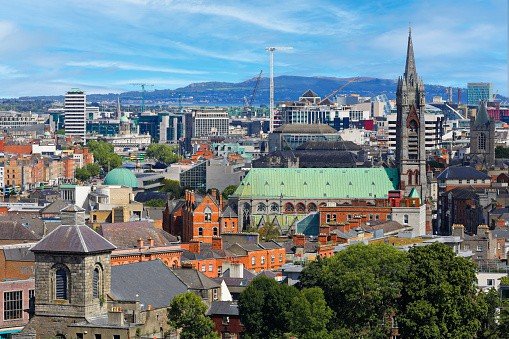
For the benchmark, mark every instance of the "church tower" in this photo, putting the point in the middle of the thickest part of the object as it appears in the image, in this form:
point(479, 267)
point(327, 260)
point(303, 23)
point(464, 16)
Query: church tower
point(411, 128)
point(482, 138)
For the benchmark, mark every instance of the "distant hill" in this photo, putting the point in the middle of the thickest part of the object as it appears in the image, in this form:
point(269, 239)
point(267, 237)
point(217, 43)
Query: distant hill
point(287, 88)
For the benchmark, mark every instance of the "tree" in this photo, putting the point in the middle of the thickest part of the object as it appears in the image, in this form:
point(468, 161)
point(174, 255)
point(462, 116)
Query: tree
point(362, 285)
point(93, 169)
point(173, 186)
point(489, 327)
point(501, 152)
point(60, 131)
point(155, 203)
point(503, 322)
point(229, 191)
point(187, 312)
point(269, 231)
point(310, 315)
point(162, 153)
point(439, 296)
point(311, 276)
point(82, 174)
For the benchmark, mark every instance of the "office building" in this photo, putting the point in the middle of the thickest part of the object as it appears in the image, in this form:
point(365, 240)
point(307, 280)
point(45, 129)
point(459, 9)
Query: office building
point(479, 92)
point(75, 108)
point(433, 132)
point(210, 122)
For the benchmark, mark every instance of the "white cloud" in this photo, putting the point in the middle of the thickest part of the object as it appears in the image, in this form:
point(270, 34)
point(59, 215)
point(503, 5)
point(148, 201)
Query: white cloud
point(130, 67)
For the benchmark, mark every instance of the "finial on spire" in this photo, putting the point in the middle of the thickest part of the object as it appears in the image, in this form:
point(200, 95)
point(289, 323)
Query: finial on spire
point(409, 27)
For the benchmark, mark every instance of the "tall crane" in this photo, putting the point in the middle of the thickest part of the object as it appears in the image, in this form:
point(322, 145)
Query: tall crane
point(180, 99)
point(272, 49)
point(328, 96)
point(249, 105)
point(143, 94)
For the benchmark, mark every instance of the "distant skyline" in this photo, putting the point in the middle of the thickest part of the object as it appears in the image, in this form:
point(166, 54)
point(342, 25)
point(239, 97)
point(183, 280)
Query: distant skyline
point(49, 47)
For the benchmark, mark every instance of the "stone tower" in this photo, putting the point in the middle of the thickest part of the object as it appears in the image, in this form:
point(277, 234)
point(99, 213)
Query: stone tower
point(482, 137)
point(411, 128)
point(125, 126)
point(72, 276)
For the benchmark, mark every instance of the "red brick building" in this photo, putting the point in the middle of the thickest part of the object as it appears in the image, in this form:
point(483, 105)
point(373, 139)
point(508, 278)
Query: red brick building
point(200, 217)
point(225, 314)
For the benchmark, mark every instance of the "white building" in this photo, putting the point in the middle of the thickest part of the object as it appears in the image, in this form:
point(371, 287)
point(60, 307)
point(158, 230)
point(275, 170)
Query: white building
point(434, 125)
point(210, 122)
point(75, 107)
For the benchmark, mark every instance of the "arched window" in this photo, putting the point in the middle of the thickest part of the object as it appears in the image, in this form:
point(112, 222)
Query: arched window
point(481, 141)
point(416, 173)
point(261, 207)
point(61, 284)
point(200, 231)
point(274, 207)
point(208, 214)
point(95, 283)
point(409, 178)
point(289, 207)
point(311, 207)
point(300, 207)
point(216, 232)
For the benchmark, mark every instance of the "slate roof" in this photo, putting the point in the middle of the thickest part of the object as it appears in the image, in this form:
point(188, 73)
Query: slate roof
point(188, 256)
point(305, 129)
point(229, 308)
point(153, 282)
point(194, 279)
point(247, 274)
point(268, 274)
point(467, 192)
point(387, 226)
point(464, 172)
point(309, 94)
point(75, 239)
point(155, 213)
point(126, 234)
point(341, 145)
point(35, 224)
point(147, 196)
point(269, 245)
point(229, 213)
point(318, 183)
point(18, 252)
point(12, 230)
point(55, 207)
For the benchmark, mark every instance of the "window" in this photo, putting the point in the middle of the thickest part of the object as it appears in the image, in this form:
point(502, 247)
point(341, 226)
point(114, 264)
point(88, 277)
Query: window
point(377, 217)
point(208, 214)
point(466, 247)
point(370, 217)
point(475, 181)
point(233, 225)
point(31, 299)
point(216, 231)
point(210, 267)
point(481, 141)
point(405, 219)
point(13, 305)
point(498, 245)
point(479, 257)
point(203, 268)
point(79, 335)
point(219, 270)
point(253, 261)
point(200, 231)
point(333, 217)
point(272, 258)
point(95, 284)
point(225, 225)
point(97, 336)
point(263, 260)
point(394, 322)
point(388, 217)
point(468, 181)
point(491, 282)
point(327, 218)
point(280, 257)
point(214, 294)
point(348, 217)
point(61, 284)
point(479, 248)
point(226, 320)
point(460, 181)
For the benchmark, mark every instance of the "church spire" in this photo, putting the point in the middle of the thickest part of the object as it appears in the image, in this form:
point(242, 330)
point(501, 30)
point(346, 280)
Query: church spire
point(118, 108)
point(410, 61)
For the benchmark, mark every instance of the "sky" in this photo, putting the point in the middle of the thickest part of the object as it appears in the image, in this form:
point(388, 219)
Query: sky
point(48, 47)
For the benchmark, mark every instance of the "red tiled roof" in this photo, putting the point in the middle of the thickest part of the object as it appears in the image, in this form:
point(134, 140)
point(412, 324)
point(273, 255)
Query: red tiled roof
point(18, 149)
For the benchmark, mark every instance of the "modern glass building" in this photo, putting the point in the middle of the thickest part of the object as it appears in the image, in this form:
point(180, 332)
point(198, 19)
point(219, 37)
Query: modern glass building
point(479, 92)
point(195, 177)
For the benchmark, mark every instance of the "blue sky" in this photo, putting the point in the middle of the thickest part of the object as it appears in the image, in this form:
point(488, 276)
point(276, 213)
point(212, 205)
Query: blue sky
point(48, 47)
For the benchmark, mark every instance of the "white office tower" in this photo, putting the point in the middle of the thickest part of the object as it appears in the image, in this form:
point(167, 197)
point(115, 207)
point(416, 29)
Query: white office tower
point(75, 113)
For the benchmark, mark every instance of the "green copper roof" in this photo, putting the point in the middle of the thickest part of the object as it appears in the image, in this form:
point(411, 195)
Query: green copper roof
point(121, 176)
point(414, 194)
point(318, 182)
point(481, 117)
point(124, 118)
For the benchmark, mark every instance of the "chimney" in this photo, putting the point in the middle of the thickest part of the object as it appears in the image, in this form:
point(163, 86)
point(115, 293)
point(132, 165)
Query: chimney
point(325, 229)
point(217, 243)
point(150, 241)
point(299, 239)
point(188, 264)
point(334, 237)
point(322, 238)
point(139, 243)
point(236, 270)
point(194, 246)
point(459, 96)
point(458, 230)
point(500, 222)
point(115, 316)
point(482, 230)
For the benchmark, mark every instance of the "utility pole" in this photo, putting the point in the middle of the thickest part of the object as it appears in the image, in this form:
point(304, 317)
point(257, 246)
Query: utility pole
point(272, 49)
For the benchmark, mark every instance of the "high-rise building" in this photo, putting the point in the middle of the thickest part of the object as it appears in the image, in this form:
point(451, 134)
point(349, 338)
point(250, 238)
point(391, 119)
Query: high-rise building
point(479, 92)
point(411, 128)
point(75, 107)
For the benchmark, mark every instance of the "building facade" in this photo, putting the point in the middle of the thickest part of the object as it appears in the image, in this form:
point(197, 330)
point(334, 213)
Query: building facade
point(479, 92)
point(75, 107)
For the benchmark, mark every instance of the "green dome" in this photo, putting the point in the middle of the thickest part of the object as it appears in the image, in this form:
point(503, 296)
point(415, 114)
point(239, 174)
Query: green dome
point(121, 176)
point(47, 133)
point(124, 118)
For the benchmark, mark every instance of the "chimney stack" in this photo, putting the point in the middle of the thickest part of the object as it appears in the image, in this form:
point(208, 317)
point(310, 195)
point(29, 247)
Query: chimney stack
point(482, 230)
point(334, 237)
point(458, 230)
point(150, 241)
point(194, 246)
point(299, 239)
point(139, 243)
point(322, 238)
point(217, 243)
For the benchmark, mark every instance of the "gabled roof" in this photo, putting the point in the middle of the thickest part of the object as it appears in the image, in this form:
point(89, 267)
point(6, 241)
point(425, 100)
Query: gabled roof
point(150, 282)
point(309, 94)
point(73, 239)
point(12, 230)
point(55, 207)
point(228, 308)
point(229, 213)
point(464, 172)
point(126, 234)
point(194, 279)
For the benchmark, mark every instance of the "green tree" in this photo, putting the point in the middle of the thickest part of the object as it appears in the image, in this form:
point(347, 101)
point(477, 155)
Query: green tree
point(187, 312)
point(310, 315)
point(269, 231)
point(489, 327)
point(82, 174)
point(503, 322)
point(173, 186)
point(439, 296)
point(229, 191)
point(501, 152)
point(313, 273)
point(93, 169)
point(114, 161)
point(155, 203)
point(162, 153)
point(60, 131)
point(362, 285)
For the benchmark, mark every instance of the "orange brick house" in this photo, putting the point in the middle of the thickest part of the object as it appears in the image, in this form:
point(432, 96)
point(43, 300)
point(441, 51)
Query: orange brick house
point(169, 254)
point(200, 217)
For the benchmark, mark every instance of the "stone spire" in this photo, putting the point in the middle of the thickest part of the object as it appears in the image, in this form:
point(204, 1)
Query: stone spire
point(410, 71)
point(118, 108)
point(482, 117)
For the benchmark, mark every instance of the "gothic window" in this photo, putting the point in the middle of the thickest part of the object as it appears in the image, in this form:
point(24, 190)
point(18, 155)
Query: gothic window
point(95, 283)
point(301, 207)
point(261, 207)
point(311, 207)
point(289, 207)
point(274, 207)
point(416, 173)
point(481, 141)
point(208, 214)
point(246, 214)
point(410, 178)
point(61, 284)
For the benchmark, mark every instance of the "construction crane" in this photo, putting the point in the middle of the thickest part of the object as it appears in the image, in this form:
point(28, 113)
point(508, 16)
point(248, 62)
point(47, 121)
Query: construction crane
point(495, 96)
point(180, 99)
point(250, 104)
point(143, 94)
point(272, 49)
point(328, 96)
